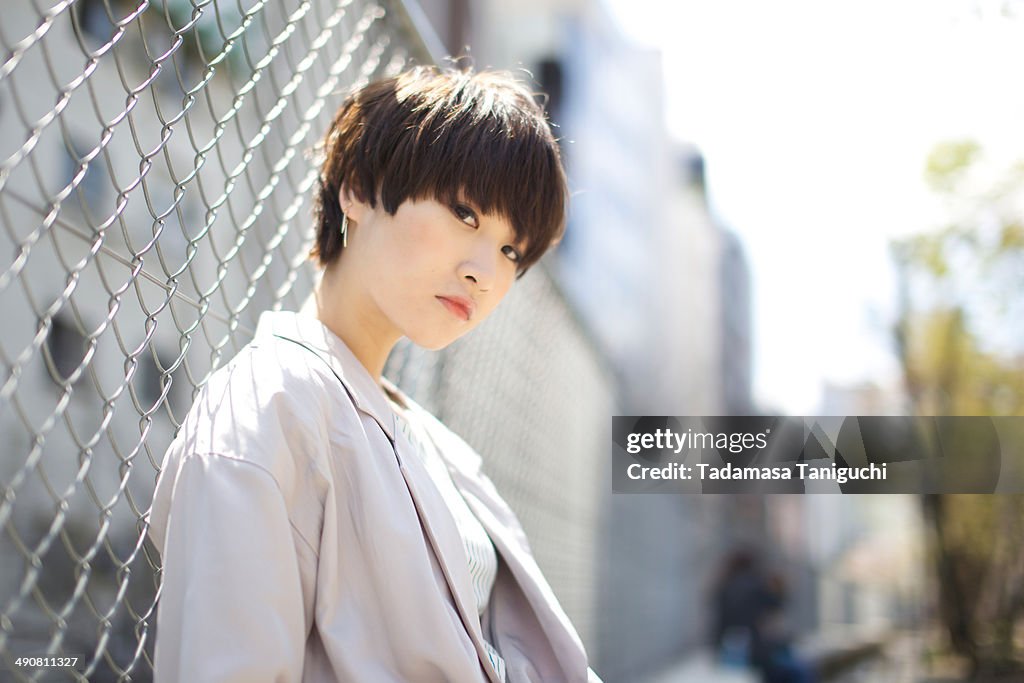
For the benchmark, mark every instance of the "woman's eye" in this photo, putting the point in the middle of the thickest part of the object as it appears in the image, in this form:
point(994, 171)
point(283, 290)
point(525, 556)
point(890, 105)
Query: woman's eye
point(465, 214)
point(512, 253)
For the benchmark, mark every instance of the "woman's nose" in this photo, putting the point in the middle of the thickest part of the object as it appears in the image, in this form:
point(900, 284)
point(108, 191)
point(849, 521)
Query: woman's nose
point(480, 267)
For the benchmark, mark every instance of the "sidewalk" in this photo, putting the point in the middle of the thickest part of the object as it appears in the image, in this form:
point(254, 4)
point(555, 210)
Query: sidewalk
point(701, 667)
point(827, 651)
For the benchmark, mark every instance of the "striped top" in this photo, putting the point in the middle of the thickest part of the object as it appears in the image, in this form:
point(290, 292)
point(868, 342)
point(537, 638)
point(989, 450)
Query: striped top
point(481, 557)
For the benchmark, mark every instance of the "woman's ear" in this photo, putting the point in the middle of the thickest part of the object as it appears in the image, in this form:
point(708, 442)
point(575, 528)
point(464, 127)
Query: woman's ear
point(352, 207)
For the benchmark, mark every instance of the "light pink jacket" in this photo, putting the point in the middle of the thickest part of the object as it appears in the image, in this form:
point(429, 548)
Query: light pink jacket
point(298, 544)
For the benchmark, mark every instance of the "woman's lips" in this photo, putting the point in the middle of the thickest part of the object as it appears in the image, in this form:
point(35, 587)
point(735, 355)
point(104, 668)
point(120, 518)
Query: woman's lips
point(459, 307)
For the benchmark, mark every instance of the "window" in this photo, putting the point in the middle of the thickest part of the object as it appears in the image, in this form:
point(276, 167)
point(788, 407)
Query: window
point(91, 189)
point(66, 346)
point(92, 17)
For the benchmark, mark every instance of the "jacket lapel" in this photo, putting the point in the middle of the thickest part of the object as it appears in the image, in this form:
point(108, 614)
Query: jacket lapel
point(442, 534)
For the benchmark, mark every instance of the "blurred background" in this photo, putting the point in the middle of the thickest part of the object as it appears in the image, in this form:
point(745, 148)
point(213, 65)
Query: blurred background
point(778, 208)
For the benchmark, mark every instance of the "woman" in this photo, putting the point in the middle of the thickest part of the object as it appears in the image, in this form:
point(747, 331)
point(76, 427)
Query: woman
point(314, 523)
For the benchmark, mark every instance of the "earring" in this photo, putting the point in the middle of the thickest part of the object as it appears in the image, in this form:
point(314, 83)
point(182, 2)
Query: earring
point(344, 231)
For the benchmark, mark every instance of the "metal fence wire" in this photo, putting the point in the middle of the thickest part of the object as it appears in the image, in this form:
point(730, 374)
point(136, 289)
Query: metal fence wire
point(154, 192)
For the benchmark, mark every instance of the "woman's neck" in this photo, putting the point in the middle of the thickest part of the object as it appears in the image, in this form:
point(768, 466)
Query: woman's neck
point(346, 310)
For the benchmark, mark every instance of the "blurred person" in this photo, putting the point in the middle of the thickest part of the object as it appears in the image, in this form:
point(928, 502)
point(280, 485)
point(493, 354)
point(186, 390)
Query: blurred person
point(737, 602)
point(773, 653)
point(749, 627)
point(316, 524)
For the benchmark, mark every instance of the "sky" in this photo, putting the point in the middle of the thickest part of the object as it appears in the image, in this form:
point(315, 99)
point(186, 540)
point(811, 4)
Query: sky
point(816, 118)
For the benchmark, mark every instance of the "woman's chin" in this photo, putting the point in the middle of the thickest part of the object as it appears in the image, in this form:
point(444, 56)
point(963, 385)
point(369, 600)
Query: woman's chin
point(432, 342)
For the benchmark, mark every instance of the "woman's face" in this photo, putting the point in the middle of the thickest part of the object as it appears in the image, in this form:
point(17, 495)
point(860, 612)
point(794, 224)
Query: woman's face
point(431, 272)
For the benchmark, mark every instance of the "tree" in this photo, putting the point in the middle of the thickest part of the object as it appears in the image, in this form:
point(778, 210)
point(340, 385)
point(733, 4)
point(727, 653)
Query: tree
point(959, 341)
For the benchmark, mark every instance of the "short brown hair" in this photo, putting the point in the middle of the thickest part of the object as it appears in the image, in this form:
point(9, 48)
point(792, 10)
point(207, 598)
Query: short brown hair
point(448, 135)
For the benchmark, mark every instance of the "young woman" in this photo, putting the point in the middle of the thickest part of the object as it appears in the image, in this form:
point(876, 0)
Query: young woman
point(314, 523)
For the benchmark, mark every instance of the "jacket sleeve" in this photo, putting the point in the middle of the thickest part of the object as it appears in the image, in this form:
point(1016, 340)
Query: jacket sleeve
point(231, 606)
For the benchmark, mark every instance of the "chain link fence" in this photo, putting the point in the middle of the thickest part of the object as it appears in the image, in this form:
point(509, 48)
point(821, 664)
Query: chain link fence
point(154, 181)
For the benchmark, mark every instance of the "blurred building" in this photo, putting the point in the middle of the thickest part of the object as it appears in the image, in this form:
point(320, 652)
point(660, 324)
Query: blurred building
point(863, 398)
point(737, 328)
point(717, 324)
point(640, 261)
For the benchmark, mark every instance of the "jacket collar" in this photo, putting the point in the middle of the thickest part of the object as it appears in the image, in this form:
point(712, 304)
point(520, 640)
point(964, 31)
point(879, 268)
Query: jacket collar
point(305, 329)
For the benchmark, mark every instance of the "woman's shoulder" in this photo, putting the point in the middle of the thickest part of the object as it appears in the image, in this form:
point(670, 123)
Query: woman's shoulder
point(266, 376)
point(266, 405)
point(260, 411)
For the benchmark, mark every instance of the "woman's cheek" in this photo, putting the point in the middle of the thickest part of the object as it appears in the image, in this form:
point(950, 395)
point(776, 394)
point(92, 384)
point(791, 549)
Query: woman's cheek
point(407, 250)
point(428, 238)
